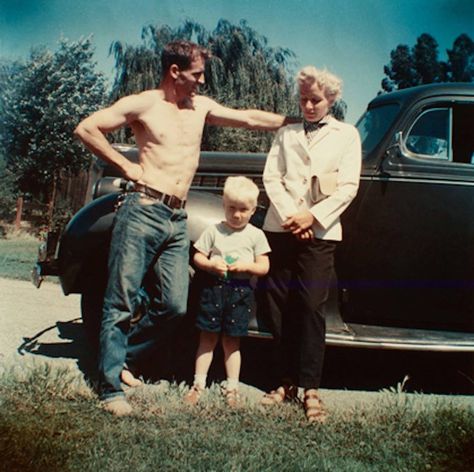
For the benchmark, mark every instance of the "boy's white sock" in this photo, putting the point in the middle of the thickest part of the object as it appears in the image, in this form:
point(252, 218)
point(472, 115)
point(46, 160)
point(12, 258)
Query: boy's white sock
point(200, 380)
point(232, 384)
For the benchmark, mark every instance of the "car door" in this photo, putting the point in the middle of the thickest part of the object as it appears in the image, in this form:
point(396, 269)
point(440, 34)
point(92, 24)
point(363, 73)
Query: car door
point(412, 242)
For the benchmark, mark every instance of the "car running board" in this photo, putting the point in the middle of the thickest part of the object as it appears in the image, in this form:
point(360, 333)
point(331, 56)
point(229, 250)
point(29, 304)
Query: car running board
point(383, 337)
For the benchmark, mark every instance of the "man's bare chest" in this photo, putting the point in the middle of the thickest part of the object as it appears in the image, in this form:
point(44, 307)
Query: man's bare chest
point(167, 126)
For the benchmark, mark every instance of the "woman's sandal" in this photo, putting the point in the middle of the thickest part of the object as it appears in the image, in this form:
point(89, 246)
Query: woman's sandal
point(280, 395)
point(313, 407)
point(193, 396)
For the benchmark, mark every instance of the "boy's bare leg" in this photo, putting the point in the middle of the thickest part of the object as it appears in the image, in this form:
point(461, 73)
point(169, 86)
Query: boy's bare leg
point(205, 352)
point(232, 359)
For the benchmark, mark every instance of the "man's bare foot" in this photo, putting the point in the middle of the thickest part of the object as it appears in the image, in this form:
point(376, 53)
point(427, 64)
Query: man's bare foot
point(117, 406)
point(129, 379)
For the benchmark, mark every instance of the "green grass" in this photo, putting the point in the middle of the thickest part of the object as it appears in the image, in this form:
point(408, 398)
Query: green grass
point(51, 420)
point(18, 255)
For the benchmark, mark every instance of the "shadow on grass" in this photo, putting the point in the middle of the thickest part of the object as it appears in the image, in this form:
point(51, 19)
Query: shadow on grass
point(75, 345)
point(353, 369)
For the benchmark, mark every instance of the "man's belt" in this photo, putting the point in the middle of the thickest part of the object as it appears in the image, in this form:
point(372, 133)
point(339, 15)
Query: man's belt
point(170, 200)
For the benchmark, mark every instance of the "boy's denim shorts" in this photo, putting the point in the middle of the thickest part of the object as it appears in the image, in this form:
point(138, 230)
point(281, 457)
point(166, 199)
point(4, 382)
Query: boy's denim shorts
point(225, 306)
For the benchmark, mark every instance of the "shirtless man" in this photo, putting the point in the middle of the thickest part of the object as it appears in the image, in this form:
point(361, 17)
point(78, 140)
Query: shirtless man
point(150, 226)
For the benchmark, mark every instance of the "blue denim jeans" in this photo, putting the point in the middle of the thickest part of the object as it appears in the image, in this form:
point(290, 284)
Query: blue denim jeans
point(148, 240)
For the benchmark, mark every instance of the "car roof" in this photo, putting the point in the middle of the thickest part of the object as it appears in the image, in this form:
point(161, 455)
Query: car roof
point(413, 94)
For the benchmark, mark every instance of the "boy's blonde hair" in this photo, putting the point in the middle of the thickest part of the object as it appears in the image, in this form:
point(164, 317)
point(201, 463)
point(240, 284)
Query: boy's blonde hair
point(329, 83)
point(241, 189)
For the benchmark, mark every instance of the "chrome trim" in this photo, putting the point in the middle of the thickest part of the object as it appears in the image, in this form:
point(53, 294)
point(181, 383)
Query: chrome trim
point(422, 181)
point(36, 277)
point(345, 341)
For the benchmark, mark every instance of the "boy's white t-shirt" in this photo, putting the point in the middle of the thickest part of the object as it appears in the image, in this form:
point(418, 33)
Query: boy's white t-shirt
point(222, 241)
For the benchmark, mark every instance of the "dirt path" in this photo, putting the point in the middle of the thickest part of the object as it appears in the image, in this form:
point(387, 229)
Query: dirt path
point(43, 323)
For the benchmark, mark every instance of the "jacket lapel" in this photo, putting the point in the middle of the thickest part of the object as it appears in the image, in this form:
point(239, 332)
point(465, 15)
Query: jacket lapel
point(321, 134)
point(301, 138)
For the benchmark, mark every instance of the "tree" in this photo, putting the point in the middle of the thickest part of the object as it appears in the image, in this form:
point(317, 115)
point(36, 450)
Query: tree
point(401, 72)
point(244, 72)
point(420, 64)
point(461, 60)
point(425, 59)
point(51, 94)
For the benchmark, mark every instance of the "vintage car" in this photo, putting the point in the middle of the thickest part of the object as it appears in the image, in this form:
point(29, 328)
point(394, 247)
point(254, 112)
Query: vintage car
point(405, 269)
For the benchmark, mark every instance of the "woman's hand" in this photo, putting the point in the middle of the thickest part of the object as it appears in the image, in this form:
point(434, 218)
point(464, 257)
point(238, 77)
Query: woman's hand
point(299, 222)
point(305, 235)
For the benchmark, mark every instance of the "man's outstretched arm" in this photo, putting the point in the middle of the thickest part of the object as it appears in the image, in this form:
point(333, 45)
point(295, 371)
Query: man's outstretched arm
point(219, 115)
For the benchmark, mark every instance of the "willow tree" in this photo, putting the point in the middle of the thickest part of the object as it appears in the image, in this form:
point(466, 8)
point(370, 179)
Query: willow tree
point(244, 72)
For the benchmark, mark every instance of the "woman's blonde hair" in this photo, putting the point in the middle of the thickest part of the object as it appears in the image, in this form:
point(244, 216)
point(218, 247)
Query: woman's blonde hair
point(330, 83)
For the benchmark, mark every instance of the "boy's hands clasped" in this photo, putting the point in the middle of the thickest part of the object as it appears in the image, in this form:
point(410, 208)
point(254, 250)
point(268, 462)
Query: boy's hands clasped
point(220, 267)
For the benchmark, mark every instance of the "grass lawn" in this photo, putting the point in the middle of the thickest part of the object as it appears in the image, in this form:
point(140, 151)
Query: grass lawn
point(50, 420)
point(18, 256)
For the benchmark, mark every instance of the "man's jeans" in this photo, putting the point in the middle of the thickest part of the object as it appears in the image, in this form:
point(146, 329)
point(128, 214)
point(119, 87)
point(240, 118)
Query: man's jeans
point(147, 240)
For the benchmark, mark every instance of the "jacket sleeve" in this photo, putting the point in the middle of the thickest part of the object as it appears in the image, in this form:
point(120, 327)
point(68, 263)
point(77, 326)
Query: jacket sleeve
point(273, 179)
point(327, 211)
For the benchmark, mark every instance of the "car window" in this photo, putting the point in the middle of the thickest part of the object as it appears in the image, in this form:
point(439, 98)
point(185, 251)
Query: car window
point(444, 133)
point(463, 133)
point(429, 135)
point(373, 125)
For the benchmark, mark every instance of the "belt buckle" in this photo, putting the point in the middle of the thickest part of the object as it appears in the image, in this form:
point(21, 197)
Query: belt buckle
point(174, 201)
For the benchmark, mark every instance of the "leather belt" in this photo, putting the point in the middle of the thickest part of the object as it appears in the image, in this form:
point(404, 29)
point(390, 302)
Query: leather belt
point(170, 200)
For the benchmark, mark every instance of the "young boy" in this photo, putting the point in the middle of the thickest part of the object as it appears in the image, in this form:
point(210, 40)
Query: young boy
point(229, 253)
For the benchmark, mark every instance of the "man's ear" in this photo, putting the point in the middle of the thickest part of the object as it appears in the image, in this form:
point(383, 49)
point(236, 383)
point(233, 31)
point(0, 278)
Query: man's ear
point(174, 71)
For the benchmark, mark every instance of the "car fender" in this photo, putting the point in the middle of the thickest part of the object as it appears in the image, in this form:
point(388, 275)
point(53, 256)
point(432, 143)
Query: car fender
point(83, 251)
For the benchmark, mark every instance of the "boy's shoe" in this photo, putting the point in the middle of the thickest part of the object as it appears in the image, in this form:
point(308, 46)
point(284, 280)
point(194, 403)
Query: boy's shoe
point(194, 394)
point(117, 406)
point(232, 398)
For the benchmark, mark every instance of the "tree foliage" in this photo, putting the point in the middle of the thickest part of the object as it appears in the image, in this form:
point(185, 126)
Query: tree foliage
point(420, 64)
point(461, 59)
point(244, 72)
point(50, 93)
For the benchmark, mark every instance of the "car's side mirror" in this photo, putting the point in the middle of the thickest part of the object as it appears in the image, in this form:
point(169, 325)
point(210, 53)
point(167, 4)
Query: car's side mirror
point(393, 149)
point(398, 139)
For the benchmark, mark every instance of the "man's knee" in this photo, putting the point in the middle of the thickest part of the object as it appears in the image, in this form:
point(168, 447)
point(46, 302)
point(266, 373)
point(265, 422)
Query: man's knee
point(170, 308)
point(178, 307)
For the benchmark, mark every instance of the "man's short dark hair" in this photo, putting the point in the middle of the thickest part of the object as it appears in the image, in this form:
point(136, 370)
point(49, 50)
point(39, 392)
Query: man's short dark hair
point(181, 53)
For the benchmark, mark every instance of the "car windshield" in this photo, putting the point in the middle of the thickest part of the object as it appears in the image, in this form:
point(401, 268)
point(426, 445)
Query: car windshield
point(373, 125)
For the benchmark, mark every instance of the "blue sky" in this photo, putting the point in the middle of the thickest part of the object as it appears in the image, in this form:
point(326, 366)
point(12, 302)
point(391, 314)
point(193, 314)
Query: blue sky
point(352, 38)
